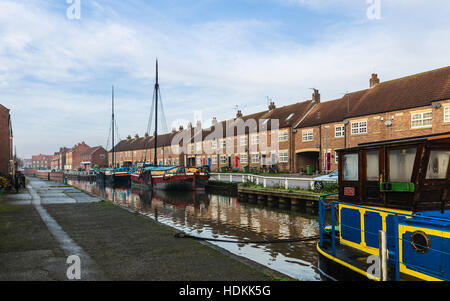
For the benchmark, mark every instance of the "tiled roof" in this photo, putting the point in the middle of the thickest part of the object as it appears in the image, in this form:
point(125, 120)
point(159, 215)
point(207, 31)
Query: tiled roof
point(91, 150)
point(287, 116)
point(408, 92)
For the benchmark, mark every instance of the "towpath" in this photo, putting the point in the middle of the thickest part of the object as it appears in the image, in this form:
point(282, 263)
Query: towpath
point(44, 224)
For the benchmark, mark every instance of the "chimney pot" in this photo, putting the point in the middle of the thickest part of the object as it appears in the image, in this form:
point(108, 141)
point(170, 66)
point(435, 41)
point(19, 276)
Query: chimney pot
point(239, 114)
point(316, 96)
point(374, 80)
point(272, 106)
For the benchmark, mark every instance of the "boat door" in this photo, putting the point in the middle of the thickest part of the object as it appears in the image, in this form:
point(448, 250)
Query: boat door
point(371, 175)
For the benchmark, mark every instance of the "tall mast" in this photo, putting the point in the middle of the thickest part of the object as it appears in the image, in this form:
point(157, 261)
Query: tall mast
point(112, 127)
point(156, 114)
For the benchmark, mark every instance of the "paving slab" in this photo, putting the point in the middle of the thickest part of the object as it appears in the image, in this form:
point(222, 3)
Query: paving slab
point(115, 244)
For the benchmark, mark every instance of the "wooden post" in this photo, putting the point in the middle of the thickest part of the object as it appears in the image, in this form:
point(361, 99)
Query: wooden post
point(383, 255)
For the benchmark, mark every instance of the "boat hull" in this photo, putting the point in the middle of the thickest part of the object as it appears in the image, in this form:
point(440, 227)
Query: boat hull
point(185, 182)
point(117, 178)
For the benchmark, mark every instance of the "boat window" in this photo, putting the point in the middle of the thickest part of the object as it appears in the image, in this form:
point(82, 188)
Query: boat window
point(351, 167)
point(401, 164)
point(438, 165)
point(373, 168)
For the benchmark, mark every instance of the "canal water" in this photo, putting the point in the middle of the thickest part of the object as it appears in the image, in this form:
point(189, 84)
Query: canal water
point(212, 215)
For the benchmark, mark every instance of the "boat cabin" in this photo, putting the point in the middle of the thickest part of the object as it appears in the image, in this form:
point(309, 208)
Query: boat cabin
point(408, 174)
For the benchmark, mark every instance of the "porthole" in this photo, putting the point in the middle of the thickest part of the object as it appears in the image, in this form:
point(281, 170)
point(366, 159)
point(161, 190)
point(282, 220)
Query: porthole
point(420, 242)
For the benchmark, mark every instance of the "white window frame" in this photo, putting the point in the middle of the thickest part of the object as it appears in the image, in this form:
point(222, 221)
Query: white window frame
point(336, 157)
point(255, 139)
point(359, 127)
point(339, 131)
point(421, 119)
point(447, 113)
point(283, 157)
point(244, 159)
point(243, 140)
point(223, 143)
point(223, 159)
point(255, 158)
point(283, 136)
point(307, 135)
point(214, 144)
point(214, 160)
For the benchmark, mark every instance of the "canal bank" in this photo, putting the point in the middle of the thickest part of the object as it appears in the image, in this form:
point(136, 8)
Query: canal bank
point(214, 215)
point(123, 245)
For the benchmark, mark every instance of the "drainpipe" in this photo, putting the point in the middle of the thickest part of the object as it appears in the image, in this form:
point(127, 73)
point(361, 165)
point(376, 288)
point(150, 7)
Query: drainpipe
point(320, 146)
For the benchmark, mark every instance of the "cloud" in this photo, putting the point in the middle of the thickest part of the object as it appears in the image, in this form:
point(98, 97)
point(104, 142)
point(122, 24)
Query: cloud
point(56, 74)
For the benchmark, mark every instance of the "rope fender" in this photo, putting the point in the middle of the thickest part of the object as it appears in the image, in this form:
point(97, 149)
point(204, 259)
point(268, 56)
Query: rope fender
point(302, 239)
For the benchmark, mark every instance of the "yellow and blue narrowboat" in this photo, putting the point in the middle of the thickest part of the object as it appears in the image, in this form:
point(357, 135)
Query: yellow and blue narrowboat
point(392, 220)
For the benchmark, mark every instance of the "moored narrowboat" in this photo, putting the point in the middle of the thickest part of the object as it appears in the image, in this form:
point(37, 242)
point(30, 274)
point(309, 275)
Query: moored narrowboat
point(170, 177)
point(392, 220)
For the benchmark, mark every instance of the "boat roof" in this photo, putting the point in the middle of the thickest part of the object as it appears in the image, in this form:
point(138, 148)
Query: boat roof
point(161, 168)
point(435, 138)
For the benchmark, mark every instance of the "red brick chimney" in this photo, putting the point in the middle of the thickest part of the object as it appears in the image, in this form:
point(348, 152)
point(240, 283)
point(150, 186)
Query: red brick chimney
point(374, 80)
point(316, 96)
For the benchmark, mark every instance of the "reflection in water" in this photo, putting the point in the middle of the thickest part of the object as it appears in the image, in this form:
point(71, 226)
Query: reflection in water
point(215, 216)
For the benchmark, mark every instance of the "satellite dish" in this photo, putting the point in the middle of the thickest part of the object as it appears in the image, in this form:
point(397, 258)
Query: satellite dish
point(436, 105)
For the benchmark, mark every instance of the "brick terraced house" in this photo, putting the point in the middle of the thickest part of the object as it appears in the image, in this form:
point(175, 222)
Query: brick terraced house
point(73, 156)
point(305, 133)
point(406, 107)
point(42, 162)
point(96, 156)
point(6, 142)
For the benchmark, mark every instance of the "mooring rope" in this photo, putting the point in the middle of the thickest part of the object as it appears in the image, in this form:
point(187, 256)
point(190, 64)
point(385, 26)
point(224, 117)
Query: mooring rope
point(273, 241)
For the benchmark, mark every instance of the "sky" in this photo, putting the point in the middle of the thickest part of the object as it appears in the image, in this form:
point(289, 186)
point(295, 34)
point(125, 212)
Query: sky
point(60, 58)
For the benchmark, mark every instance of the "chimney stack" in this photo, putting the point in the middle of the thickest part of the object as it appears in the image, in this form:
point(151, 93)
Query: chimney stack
point(181, 128)
point(316, 96)
point(374, 80)
point(214, 121)
point(272, 106)
point(199, 124)
point(239, 114)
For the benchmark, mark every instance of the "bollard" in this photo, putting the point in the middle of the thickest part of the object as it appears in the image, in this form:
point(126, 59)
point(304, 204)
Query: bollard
point(383, 254)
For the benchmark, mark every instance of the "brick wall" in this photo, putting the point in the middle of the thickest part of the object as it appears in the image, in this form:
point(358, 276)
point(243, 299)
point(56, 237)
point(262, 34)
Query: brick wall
point(377, 130)
point(5, 147)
